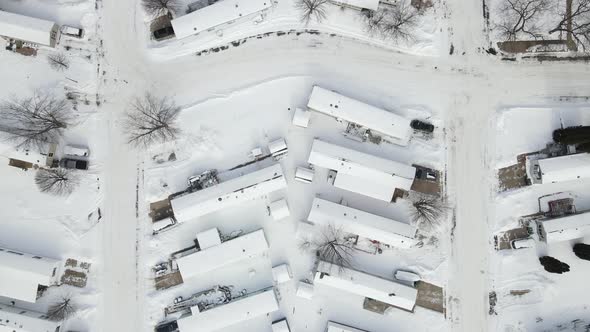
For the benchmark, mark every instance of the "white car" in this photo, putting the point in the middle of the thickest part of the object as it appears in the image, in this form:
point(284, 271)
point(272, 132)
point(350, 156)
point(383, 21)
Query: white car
point(72, 31)
point(522, 243)
point(76, 150)
point(407, 276)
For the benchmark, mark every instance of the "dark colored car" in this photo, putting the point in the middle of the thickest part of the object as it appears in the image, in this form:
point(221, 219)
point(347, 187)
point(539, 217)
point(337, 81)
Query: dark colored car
point(167, 327)
point(74, 163)
point(422, 126)
point(163, 33)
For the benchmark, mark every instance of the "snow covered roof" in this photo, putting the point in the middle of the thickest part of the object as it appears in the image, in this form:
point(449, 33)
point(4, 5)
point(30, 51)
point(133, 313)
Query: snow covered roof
point(565, 168)
point(230, 314)
point(24, 320)
point(279, 209)
point(362, 173)
point(301, 118)
point(280, 326)
point(22, 273)
point(228, 193)
point(362, 223)
point(566, 228)
point(30, 155)
point(304, 290)
point(359, 283)
point(229, 252)
point(209, 238)
point(351, 110)
point(368, 4)
point(304, 175)
point(335, 327)
point(27, 28)
point(281, 273)
point(216, 14)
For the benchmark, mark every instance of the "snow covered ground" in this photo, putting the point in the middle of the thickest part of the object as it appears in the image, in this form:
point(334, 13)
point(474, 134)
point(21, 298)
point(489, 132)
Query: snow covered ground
point(553, 301)
point(283, 16)
point(219, 133)
point(240, 98)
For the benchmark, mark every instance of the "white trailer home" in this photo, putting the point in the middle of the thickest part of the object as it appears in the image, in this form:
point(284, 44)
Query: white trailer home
point(362, 173)
point(366, 285)
point(559, 169)
point(230, 193)
point(28, 29)
point(335, 327)
point(14, 319)
point(364, 224)
point(231, 314)
point(381, 121)
point(22, 274)
point(224, 254)
point(221, 12)
point(358, 4)
point(566, 228)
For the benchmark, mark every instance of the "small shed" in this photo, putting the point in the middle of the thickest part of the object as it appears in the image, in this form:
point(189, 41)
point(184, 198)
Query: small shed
point(304, 175)
point(301, 118)
point(279, 209)
point(281, 273)
point(28, 29)
point(280, 326)
point(305, 290)
point(209, 238)
point(277, 147)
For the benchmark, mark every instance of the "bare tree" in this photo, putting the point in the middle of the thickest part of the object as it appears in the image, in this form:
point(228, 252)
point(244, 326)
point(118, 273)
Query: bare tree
point(521, 17)
point(331, 246)
point(57, 181)
point(311, 9)
point(396, 22)
point(575, 21)
point(426, 209)
point(151, 120)
point(35, 120)
point(157, 8)
point(61, 309)
point(58, 61)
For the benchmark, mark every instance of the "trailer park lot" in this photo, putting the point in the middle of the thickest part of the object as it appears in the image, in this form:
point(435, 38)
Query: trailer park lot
point(268, 119)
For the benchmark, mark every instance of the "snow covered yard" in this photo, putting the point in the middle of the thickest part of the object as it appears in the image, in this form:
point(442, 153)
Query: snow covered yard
point(527, 298)
point(425, 37)
point(64, 228)
point(219, 133)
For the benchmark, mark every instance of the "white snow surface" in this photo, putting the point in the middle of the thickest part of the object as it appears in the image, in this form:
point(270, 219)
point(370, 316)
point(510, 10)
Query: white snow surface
point(26, 28)
point(485, 111)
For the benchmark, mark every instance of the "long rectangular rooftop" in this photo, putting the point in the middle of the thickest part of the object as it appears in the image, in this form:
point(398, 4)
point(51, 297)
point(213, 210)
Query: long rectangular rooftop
point(230, 314)
point(366, 285)
point(221, 12)
point(341, 107)
point(360, 172)
point(229, 193)
point(227, 253)
point(362, 223)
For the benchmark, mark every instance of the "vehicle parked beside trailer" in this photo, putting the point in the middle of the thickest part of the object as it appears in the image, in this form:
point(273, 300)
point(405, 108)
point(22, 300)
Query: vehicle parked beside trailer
point(407, 276)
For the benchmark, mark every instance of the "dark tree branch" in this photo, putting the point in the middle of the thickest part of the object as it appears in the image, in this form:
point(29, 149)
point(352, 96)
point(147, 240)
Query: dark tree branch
point(157, 8)
point(150, 120)
point(36, 120)
point(57, 181)
point(311, 9)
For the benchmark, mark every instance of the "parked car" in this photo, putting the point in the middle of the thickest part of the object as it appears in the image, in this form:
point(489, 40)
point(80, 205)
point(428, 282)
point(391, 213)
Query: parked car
point(72, 31)
point(163, 33)
point(422, 126)
point(407, 276)
point(76, 150)
point(522, 243)
point(74, 163)
point(167, 327)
